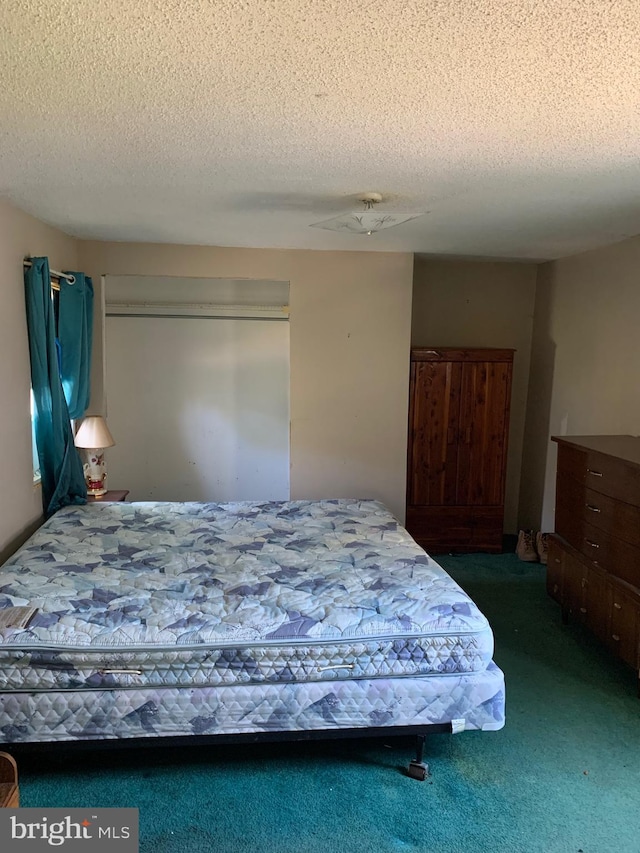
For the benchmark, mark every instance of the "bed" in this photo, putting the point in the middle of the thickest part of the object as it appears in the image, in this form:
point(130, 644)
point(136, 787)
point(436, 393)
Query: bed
point(250, 620)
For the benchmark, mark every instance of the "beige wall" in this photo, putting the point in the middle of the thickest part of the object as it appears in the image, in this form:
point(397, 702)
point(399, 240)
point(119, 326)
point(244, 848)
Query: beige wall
point(584, 378)
point(350, 332)
point(350, 338)
point(20, 501)
point(481, 304)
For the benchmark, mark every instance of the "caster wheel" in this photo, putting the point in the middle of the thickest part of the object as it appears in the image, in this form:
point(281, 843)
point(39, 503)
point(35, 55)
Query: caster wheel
point(418, 771)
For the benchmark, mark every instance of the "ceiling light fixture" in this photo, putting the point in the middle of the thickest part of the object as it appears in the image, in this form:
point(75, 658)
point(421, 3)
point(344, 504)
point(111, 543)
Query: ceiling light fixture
point(367, 222)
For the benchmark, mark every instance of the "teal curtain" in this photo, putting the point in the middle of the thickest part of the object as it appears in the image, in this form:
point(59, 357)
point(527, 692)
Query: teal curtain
point(75, 331)
point(60, 464)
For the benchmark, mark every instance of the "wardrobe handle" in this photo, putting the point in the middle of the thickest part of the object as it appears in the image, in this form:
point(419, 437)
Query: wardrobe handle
point(595, 473)
point(617, 606)
point(433, 352)
point(615, 637)
point(593, 544)
point(592, 508)
point(583, 610)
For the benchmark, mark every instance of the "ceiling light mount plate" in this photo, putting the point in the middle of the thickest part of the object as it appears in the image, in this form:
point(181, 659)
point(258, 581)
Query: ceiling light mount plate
point(368, 221)
point(370, 199)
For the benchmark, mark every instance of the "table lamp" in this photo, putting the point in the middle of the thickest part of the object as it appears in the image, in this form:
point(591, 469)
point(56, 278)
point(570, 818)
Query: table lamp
point(93, 436)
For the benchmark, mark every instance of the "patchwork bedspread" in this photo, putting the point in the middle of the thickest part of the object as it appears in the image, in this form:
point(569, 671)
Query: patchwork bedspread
point(157, 595)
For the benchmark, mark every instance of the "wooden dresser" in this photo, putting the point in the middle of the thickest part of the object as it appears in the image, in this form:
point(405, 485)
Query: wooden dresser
point(457, 449)
point(593, 567)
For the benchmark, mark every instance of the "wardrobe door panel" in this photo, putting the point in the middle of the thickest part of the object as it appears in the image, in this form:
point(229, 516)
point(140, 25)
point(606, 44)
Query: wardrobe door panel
point(433, 432)
point(484, 417)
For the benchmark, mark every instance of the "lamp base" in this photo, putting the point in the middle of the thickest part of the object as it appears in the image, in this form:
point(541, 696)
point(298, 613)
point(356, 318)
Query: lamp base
point(94, 472)
point(96, 493)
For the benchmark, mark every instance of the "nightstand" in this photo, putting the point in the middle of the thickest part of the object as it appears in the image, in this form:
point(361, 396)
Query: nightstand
point(109, 496)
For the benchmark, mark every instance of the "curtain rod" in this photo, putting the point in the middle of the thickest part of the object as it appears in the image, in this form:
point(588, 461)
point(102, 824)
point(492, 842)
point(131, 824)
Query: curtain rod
point(54, 273)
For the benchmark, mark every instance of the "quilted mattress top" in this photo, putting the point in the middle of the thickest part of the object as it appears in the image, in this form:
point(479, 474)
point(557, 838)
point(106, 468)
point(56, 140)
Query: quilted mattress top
point(196, 584)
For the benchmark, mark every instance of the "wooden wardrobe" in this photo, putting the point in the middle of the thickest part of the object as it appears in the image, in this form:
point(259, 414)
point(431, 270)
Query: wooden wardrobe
point(457, 451)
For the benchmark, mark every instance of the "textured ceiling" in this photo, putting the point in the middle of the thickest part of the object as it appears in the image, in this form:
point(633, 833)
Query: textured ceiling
point(514, 123)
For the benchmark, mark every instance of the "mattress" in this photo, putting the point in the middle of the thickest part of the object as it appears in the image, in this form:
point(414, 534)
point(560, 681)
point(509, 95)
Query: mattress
point(157, 596)
point(468, 702)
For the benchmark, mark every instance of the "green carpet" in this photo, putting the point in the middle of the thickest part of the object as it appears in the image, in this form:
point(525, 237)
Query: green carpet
point(563, 776)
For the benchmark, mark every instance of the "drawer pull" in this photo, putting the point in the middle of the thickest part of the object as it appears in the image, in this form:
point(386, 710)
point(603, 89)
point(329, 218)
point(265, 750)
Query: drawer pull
point(595, 473)
point(583, 610)
point(615, 637)
point(592, 544)
point(617, 606)
point(592, 508)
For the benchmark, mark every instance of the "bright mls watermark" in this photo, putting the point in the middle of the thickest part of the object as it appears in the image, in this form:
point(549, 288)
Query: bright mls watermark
point(73, 830)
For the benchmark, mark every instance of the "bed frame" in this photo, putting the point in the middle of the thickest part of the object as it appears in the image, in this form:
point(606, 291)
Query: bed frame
point(417, 768)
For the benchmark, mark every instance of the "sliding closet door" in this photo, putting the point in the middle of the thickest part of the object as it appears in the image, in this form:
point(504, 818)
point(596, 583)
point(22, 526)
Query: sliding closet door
point(198, 407)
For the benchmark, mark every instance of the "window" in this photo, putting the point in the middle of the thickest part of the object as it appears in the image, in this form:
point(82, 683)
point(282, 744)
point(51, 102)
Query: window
point(36, 462)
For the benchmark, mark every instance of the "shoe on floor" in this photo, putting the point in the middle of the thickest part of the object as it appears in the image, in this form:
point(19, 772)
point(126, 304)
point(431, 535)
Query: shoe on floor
point(542, 546)
point(526, 549)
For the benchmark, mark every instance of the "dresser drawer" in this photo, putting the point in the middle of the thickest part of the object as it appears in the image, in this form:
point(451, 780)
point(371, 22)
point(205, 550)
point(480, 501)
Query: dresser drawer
point(596, 599)
point(615, 517)
point(615, 556)
point(438, 529)
point(571, 496)
point(577, 505)
point(555, 569)
point(614, 477)
point(602, 473)
point(624, 628)
point(574, 582)
point(571, 463)
point(596, 603)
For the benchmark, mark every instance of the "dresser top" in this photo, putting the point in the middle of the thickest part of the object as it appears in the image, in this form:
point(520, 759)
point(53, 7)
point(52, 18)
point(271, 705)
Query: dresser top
point(625, 447)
